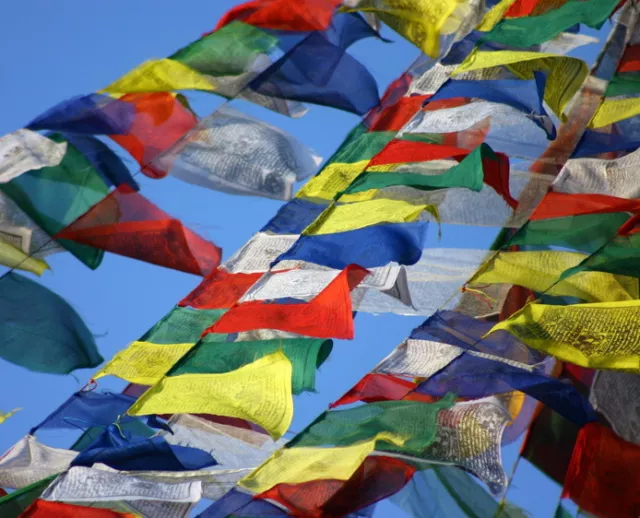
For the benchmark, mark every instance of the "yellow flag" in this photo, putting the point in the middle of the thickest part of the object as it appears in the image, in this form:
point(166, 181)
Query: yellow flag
point(14, 257)
point(539, 272)
point(340, 218)
point(160, 75)
point(4, 417)
point(495, 14)
point(614, 110)
point(565, 74)
point(419, 21)
point(602, 335)
point(298, 465)
point(144, 362)
point(259, 392)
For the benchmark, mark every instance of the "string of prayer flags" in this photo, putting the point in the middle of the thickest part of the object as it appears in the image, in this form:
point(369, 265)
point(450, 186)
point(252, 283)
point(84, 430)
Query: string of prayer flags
point(615, 395)
point(126, 223)
point(25, 150)
point(575, 333)
point(46, 509)
point(602, 476)
point(41, 331)
point(259, 392)
point(238, 154)
point(53, 197)
point(327, 315)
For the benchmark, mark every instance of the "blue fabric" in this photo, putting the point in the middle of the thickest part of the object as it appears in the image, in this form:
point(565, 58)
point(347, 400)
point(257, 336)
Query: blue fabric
point(294, 216)
point(594, 143)
point(107, 162)
point(85, 409)
point(318, 70)
point(236, 503)
point(93, 114)
point(474, 377)
point(40, 331)
point(460, 50)
point(147, 454)
point(368, 247)
point(523, 95)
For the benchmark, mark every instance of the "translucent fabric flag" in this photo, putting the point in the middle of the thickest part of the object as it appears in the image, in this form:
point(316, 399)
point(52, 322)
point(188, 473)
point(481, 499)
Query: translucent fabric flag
point(120, 452)
point(216, 357)
point(17, 502)
point(17, 259)
point(376, 387)
point(565, 74)
point(602, 477)
point(318, 70)
point(327, 315)
point(259, 392)
point(575, 333)
point(220, 290)
point(126, 223)
point(616, 395)
point(237, 503)
point(377, 478)
point(55, 196)
point(238, 154)
point(28, 461)
point(25, 150)
point(539, 271)
point(413, 422)
point(41, 331)
point(6, 415)
point(528, 31)
point(44, 509)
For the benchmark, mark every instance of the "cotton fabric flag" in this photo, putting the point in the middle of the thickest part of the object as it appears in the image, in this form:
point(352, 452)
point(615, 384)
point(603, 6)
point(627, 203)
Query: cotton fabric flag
point(128, 224)
point(220, 290)
point(575, 333)
point(327, 315)
point(376, 387)
point(259, 392)
point(44, 509)
point(616, 395)
point(238, 154)
point(25, 150)
point(41, 331)
point(181, 325)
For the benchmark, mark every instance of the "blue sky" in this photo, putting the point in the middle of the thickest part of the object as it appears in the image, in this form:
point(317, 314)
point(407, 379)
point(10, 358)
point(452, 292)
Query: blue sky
point(54, 50)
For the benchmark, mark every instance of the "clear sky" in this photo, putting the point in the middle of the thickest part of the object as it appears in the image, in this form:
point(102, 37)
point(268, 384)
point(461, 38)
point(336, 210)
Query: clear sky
point(54, 50)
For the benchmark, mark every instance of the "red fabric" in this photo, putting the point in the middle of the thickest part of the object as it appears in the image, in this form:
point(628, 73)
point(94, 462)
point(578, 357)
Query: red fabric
point(45, 509)
point(377, 478)
point(395, 109)
point(496, 175)
point(579, 375)
point(327, 315)
point(220, 290)
point(285, 15)
point(604, 474)
point(376, 387)
point(631, 226)
point(521, 8)
point(559, 205)
point(160, 121)
point(126, 223)
point(630, 60)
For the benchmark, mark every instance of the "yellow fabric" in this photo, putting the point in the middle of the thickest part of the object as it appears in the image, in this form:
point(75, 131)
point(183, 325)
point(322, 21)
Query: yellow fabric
point(614, 110)
point(495, 15)
point(340, 218)
point(419, 21)
point(4, 417)
point(565, 74)
point(160, 75)
point(298, 465)
point(599, 336)
point(259, 392)
point(13, 257)
point(144, 362)
point(538, 271)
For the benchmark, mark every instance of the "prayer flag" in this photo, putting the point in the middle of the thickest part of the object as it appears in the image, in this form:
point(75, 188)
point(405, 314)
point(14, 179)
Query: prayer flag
point(25, 150)
point(45, 509)
point(376, 387)
point(17, 502)
point(616, 395)
point(220, 290)
point(17, 259)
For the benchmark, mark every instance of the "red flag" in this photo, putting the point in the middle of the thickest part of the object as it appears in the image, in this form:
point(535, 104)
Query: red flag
point(521, 8)
point(160, 121)
point(126, 223)
point(604, 474)
point(220, 290)
point(559, 205)
point(377, 387)
point(630, 60)
point(46, 509)
point(377, 478)
point(327, 315)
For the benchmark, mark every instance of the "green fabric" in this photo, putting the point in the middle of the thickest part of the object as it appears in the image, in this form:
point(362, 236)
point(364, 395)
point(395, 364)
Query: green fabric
point(468, 173)
point(533, 30)
point(183, 325)
point(620, 256)
point(228, 51)
point(305, 354)
point(413, 421)
point(14, 504)
point(623, 84)
point(362, 146)
point(54, 197)
point(583, 233)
